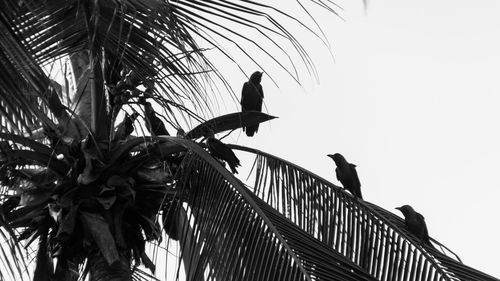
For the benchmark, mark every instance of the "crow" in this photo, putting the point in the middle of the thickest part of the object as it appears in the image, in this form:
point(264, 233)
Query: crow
point(347, 175)
point(415, 223)
point(252, 96)
point(154, 124)
point(221, 151)
point(126, 127)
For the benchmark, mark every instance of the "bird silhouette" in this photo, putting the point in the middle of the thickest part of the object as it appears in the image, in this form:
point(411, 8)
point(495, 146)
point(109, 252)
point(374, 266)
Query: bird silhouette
point(347, 175)
point(221, 151)
point(154, 124)
point(252, 96)
point(415, 223)
point(126, 127)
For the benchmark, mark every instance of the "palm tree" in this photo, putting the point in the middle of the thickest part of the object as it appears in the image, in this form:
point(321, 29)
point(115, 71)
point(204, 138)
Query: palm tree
point(80, 196)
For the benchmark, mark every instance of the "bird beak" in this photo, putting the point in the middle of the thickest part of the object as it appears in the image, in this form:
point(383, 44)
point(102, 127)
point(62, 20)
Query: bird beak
point(330, 155)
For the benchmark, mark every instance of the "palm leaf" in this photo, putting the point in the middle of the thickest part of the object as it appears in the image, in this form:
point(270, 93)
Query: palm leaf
point(152, 38)
point(23, 85)
point(212, 21)
point(369, 236)
point(27, 142)
point(237, 236)
point(136, 33)
point(228, 122)
point(27, 157)
point(12, 255)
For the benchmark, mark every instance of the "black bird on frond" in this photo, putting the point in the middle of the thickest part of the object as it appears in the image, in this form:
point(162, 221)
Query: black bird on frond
point(154, 124)
point(347, 175)
point(252, 97)
point(221, 151)
point(415, 223)
point(126, 127)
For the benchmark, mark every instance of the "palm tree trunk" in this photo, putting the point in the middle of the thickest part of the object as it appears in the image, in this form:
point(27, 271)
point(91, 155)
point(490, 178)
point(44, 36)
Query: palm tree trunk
point(100, 270)
point(90, 97)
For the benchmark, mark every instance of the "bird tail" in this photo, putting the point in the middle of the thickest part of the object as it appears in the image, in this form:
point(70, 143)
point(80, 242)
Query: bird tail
point(428, 242)
point(251, 130)
point(359, 194)
point(443, 248)
point(233, 168)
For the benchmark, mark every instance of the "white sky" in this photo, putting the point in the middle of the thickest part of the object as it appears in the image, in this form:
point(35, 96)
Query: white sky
point(412, 98)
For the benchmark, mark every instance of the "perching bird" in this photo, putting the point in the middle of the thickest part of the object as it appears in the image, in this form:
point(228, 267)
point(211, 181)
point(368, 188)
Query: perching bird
point(126, 127)
point(347, 175)
point(220, 150)
point(415, 223)
point(154, 124)
point(252, 96)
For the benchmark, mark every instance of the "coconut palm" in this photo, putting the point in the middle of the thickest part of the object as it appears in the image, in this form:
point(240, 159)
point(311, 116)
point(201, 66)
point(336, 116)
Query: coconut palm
point(83, 195)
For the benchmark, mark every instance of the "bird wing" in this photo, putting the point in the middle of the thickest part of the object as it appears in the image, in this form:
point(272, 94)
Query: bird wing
point(250, 97)
point(423, 225)
point(155, 125)
point(125, 128)
point(229, 155)
point(338, 174)
point(219, 150)
point(120, 131)
point(213, 148)
point(355, 180)
point(245, 92)
point(129, 123)
point(352, 167)
point(260, 99)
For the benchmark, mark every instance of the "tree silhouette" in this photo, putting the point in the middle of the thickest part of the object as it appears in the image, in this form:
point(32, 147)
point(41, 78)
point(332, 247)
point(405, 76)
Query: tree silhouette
point(83, 196)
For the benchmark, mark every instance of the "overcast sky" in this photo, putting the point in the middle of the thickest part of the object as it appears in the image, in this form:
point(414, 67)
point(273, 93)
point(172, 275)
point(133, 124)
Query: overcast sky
point(413, 99)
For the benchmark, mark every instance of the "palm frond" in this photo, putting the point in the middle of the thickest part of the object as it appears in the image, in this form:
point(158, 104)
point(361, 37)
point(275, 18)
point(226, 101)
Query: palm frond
point(292, 225)
point(23, 85)
point(141, 37)
point(154, 39)
point(12, 255)
point(237, 236)
point(228, 122)
point(369, 236)
point(222, 23)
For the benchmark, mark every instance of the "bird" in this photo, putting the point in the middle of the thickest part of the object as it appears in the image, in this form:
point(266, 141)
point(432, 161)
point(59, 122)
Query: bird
point(252, 96)
point(415, 223)
point(126, 127)
point(221, 151)
point(154, 124)
point(347, 175)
